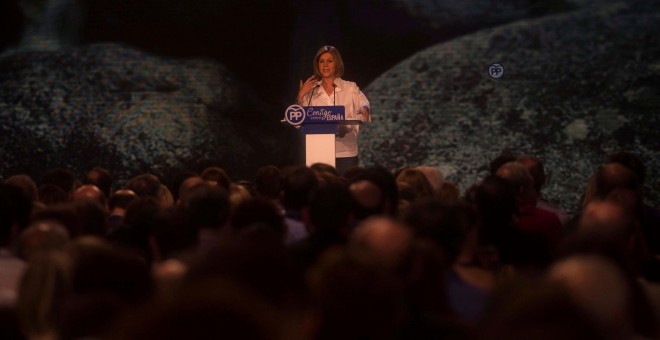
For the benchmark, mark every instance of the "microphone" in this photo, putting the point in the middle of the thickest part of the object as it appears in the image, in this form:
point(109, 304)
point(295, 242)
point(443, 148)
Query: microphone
point(311, 93)
point(334, 94)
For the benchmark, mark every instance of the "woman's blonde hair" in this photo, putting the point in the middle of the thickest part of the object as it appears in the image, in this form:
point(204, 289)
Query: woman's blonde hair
point(47, 279)
point(339, 62)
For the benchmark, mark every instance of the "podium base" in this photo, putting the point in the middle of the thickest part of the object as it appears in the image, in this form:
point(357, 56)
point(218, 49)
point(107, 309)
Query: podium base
point(320, 149)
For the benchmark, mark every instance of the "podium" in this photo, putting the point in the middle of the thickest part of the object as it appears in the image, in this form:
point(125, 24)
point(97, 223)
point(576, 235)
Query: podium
point(320, 125)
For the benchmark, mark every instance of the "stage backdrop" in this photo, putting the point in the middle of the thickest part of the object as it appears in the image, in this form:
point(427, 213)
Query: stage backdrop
point(167, 87)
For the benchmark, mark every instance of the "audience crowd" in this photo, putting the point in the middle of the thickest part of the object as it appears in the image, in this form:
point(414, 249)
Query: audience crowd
point(303, 253)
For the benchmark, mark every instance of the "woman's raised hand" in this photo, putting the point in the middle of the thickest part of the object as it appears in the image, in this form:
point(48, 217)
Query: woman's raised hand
point(305, 87)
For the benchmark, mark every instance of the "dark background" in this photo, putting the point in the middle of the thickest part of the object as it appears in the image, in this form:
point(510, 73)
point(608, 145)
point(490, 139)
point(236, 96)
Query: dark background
point(268, 44)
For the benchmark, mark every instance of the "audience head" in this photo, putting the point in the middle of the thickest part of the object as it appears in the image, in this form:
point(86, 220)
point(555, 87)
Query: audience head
point(600, 288)
point(89, 192)
point(102, 268)
point(416, 182)
point(92, 216)
point(535, 309)
point(330, 210)
point(615, 175)
point(238, 194)
point(177, 181)
point(217, 176)
point(145, 185)
point(15, 210)
point(51, 194)
point(214, 308)
point(101, 178)
point(325, 178)
point(120, 200)
point(64, 214)
point(494, 202)
point(382, 240)
point(375, 192)
point(207, 207)
point(607, 218)
point(107, 284)
point(138, 225)
point(26, 184)
point(368, 198)
point(503, 158)
point(353, 172)
point(298, 184)
point(444, 224)
point(45, 286)
point(630, 161)
point(258, 213)
point(433, 175)
point(517, 175)
point(354, 298)
point(43, 236)
point(323, 168)
point(63, 178)
point(173, 236)
point(609, 177)
point(187, 186)
point(535, 168)
point(257, 260)
point(268, 182)
point(609, 229)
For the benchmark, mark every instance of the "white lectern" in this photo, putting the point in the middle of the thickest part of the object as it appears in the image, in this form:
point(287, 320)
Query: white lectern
point(319, 148)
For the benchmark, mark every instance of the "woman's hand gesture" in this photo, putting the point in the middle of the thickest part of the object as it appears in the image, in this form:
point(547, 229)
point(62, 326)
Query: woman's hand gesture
point(305, 87)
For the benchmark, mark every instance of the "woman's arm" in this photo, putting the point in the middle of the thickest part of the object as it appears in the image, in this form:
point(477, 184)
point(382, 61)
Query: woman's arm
point(364, 108)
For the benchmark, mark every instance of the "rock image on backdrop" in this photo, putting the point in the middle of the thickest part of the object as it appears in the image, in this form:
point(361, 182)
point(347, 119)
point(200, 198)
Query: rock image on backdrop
point(167, 87)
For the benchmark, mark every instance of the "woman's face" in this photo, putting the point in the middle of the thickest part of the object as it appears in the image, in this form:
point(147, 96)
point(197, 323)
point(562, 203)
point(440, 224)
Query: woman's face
point(327, 65)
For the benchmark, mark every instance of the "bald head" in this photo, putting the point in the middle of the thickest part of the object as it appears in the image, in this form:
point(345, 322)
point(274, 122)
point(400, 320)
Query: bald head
point(89, 192)
point(43, 236)
point(119, 201)
point(383, 238)
point(515, 173)
point(606, 218)
point(187, 186)
point(600, 287)
point(366, 193)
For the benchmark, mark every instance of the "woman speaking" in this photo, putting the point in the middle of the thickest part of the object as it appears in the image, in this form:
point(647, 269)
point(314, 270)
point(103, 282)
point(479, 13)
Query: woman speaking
point(326, 88)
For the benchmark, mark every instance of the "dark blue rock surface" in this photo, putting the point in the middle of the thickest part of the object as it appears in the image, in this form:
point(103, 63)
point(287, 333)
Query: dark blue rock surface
point(576, 86)
point(131, 112)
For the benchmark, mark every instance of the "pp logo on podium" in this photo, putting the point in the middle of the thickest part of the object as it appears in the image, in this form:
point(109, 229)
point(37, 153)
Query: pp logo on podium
point(294, 115)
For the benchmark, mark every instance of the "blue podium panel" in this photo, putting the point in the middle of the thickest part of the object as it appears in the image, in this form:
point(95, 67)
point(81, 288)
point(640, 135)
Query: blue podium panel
point(324, 114)
point(320, 128)
point(302, 115)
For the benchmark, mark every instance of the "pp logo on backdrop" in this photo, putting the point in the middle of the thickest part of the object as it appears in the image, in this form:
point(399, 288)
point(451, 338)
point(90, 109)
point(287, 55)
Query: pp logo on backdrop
point(496, 71)
point(294, 114)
